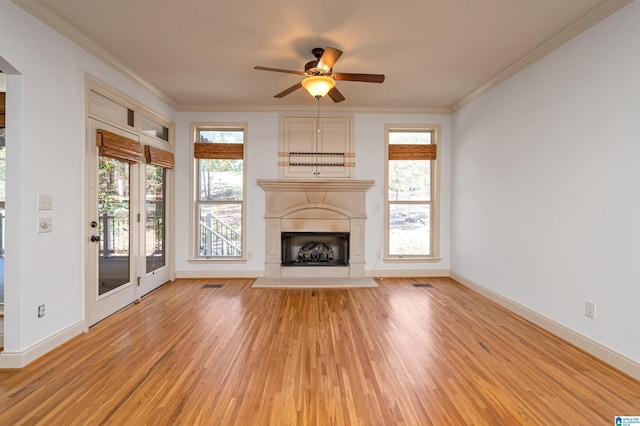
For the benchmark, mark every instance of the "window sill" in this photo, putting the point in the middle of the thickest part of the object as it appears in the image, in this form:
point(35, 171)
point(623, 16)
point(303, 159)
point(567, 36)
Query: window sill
point(214, 259)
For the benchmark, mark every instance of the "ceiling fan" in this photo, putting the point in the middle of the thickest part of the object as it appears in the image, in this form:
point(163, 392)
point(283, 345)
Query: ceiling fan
point(320, 79)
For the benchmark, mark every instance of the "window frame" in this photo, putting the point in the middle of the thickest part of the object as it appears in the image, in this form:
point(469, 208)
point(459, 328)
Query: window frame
point(433, 202)
point(195, 256)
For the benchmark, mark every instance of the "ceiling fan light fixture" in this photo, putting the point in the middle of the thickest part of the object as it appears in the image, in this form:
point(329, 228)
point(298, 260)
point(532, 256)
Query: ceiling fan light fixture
point(318, 85)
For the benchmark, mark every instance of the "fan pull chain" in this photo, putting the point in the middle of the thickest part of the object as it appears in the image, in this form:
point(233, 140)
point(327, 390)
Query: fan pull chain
point(316, 173)
point(318, 122)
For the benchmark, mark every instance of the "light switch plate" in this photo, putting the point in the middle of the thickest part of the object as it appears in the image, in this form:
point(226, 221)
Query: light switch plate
point(45, 202)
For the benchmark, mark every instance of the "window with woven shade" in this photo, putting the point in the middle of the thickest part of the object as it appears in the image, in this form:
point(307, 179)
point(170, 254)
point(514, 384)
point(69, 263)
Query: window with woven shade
point(411, 192)
point(219, 190)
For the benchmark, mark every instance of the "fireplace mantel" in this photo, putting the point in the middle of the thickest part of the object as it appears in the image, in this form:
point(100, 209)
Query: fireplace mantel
point(315, 205)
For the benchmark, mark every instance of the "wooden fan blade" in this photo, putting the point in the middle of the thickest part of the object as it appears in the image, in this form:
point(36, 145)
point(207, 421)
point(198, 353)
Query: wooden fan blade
point(278, 70)
point(367, 78)
point(328, 58)
point(289, 90)
point(335, 95)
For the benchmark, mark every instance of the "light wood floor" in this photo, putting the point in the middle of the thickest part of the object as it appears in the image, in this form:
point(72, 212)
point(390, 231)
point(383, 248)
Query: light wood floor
point(393, 355)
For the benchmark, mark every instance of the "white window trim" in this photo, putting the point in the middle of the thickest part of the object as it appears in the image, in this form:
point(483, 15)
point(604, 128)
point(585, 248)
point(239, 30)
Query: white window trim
point(193, 234)
point(435, 194)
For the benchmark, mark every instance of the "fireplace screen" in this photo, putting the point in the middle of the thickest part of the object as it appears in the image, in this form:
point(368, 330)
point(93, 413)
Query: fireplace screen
point(315, 248)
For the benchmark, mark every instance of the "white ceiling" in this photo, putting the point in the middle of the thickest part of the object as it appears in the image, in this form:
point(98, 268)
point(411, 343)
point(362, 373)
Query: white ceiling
point(435, 53)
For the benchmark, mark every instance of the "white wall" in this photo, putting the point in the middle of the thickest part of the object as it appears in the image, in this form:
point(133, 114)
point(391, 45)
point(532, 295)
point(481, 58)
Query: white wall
point(546, 199)
point(262, 163)
point(45, 155)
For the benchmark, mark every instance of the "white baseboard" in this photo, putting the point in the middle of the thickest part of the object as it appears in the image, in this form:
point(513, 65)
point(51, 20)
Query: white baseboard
point(260, 273)
point(215, 273)
point(13, 360)
point(594, 348)
point(401, 273)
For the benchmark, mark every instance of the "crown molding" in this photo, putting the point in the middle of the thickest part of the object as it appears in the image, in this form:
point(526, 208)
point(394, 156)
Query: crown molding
point(314, 108)
point(55, 21)
point(578, 27)
point(64, 27)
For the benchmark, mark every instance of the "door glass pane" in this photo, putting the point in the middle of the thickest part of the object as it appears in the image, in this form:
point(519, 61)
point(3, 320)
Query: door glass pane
point(114, 224)
point(155, 223)
point(409, 229)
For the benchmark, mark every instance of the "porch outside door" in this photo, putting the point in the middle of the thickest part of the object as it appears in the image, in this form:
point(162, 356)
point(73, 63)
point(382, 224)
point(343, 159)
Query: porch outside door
point(112, 232)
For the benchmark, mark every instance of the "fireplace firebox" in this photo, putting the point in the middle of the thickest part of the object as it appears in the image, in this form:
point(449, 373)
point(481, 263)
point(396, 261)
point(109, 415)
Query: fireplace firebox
point(315, 248)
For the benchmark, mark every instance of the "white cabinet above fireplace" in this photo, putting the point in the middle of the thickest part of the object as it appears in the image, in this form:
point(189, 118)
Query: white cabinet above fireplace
point(316, 148)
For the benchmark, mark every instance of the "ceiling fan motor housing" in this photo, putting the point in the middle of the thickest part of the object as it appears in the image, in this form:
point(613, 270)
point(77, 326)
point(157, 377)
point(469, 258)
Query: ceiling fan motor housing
point(317, 52)
point(311, 68)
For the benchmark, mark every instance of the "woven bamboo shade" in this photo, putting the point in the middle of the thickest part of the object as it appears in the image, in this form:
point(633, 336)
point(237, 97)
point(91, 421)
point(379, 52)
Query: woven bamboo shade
point(219, 151)
point(412, 152)
point(118, 147)
point(159, 157)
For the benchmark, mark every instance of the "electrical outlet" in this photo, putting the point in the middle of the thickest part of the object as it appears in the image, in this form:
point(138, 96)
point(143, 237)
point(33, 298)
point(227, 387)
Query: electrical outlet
point(45, 224)
point(40, 311)
point(590, 309)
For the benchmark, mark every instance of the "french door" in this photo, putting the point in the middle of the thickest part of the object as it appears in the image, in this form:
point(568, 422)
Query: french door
point(112, 238)
point(154, 269)
point(127, 243)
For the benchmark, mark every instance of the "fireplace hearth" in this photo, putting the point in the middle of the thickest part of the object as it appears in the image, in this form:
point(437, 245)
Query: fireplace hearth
point(315, 248)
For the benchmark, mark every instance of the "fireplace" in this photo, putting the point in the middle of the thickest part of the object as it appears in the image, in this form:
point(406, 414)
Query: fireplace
point(315, 248)
point(315, 208)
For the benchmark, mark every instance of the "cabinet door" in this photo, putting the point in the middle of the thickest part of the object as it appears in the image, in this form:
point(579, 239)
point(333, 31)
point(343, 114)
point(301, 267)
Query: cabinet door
point(334, 137)
point(300, 134)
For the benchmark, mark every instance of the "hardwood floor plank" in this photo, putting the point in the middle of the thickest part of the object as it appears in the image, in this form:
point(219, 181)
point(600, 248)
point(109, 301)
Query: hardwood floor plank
point(392, 355)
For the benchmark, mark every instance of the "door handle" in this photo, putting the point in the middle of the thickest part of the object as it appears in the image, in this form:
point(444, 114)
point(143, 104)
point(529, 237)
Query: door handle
point(95, 238)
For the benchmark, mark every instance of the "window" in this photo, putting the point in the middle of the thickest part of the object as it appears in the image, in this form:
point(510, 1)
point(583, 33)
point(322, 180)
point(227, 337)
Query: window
point(219, 190)
point(153, 129)
point(411, 189)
